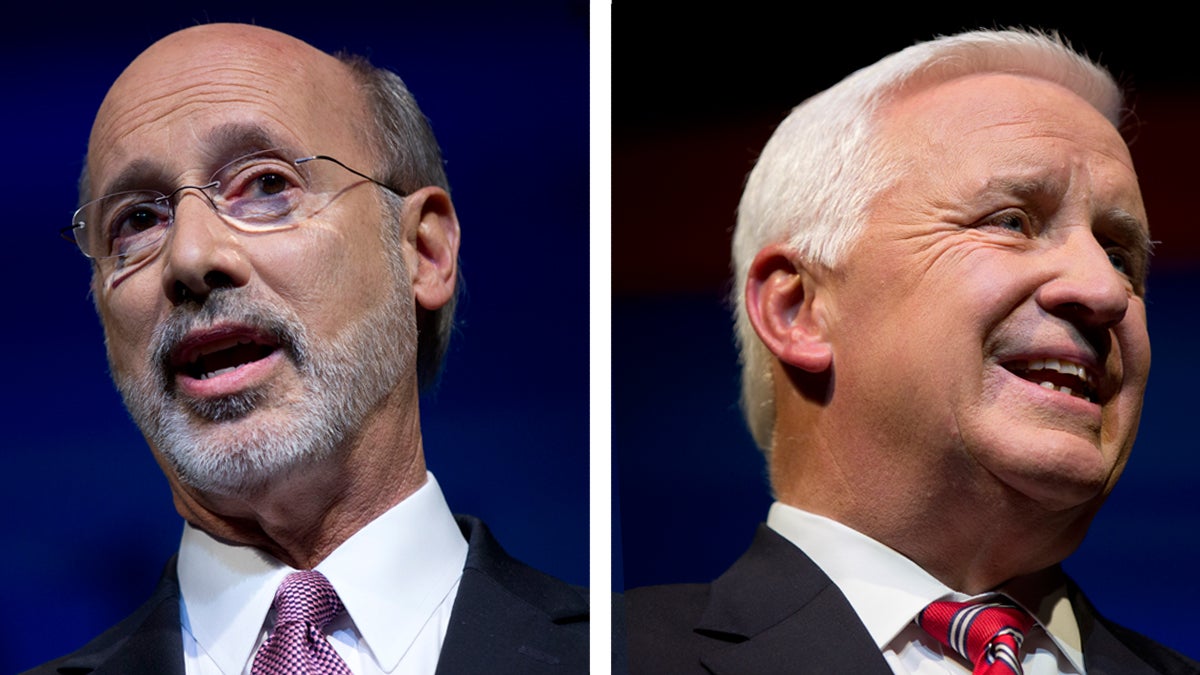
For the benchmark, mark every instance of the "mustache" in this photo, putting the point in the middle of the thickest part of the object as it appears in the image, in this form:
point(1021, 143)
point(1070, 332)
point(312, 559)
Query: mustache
point(225, 305)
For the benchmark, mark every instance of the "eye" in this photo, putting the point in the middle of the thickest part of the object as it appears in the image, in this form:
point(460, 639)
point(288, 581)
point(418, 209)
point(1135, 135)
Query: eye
point(132, 219)
point(1120, 261)
point(136, 225)
point(261, 191)
point(258, 177)
point(1012, 220)
point(261, 182)
point(139, 219)
point(271, 183)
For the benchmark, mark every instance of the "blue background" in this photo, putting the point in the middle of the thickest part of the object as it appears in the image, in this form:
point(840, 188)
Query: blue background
point(695, 96)
point(91, 519)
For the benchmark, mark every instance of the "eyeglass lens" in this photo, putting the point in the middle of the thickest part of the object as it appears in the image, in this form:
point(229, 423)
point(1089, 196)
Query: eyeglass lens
point(259, 192)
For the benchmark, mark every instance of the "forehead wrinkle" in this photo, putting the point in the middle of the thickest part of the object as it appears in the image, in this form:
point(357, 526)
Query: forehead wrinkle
point(148, 85)
point(213, 144)
point(1043, 129)
point(255, 79)
point(1039, 184)
point(153, 113)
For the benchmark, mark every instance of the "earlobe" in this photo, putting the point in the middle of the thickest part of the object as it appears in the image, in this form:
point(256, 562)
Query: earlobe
point(432, 235)
point(785, 304)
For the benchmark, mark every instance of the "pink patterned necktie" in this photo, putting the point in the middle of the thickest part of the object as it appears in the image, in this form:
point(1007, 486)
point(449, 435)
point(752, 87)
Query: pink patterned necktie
point(988, 634)
point(304, 604)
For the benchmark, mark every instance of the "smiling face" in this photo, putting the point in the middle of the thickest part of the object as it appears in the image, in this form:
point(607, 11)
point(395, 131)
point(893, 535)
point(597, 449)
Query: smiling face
point(989, 327)
point(241, 355)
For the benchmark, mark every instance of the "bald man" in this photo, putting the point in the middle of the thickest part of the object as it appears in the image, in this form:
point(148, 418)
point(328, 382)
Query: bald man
point(274, 262)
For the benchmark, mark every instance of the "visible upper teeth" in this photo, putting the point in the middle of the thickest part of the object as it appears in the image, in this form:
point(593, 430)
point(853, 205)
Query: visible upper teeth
point(1061, 366)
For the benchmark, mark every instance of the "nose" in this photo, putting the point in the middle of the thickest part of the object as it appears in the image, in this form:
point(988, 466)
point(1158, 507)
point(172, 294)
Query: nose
point(201, 252)
point(1085, 289)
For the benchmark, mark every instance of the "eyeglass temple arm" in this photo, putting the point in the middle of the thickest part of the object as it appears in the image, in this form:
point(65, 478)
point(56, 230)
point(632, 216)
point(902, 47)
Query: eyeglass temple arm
point(389, 188)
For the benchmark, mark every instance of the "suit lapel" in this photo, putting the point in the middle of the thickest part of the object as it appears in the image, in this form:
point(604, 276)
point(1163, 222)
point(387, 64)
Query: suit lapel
point(510, 618)
point(781, 614)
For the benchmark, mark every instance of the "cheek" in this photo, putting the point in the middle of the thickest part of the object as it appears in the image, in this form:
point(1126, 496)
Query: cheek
point(129, 315)
point(326, 273)
point(1133, 354)
point(1133, 339)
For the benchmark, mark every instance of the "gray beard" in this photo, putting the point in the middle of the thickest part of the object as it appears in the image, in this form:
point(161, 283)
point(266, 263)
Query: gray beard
point(217, 446)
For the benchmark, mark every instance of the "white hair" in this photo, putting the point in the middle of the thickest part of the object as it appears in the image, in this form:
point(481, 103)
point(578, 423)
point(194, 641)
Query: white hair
point(814, 183)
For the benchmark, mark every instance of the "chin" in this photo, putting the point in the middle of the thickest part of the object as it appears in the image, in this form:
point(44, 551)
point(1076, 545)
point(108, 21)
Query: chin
point(1057, 470)
point(236, 458)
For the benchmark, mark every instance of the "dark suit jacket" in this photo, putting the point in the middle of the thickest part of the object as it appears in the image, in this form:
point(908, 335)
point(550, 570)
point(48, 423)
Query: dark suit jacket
point(775, 611)
point(507, 618)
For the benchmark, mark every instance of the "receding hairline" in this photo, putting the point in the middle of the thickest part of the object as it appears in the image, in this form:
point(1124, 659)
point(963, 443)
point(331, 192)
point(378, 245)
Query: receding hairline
point(177, 52)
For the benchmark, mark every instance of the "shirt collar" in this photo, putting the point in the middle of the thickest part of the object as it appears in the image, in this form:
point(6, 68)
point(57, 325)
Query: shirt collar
point(391, 575)
point(396, 571)
point(887, 590)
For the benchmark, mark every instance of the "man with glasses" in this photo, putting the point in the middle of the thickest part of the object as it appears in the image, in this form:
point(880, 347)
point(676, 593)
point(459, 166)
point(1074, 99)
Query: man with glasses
point(274, 258)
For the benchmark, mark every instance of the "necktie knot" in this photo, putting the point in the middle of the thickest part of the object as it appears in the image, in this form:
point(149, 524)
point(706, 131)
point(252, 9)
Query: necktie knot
point(304, 604)
point(988, 634)
point(306, 596)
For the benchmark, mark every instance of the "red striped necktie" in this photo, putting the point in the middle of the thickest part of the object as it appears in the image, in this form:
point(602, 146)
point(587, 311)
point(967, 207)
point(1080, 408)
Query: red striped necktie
point(988, 634)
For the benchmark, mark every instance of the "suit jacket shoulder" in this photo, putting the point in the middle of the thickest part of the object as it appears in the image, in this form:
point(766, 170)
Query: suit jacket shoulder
point(511, 618)
point(507, 618)
point(773, 611)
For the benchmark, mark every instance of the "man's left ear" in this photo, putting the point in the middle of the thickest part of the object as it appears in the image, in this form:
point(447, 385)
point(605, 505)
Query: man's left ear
point(431, 234)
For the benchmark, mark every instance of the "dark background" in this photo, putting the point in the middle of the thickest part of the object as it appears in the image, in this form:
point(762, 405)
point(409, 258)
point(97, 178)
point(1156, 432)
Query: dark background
point(506, 433)
point(695, 96)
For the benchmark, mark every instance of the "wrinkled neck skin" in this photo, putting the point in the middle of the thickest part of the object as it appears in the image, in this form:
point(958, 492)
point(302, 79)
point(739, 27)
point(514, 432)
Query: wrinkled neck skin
point(300, 518)
point(941, 510)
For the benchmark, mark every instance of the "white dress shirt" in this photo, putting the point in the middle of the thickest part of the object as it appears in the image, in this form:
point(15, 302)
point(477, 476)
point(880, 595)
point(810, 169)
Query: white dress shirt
point(887, 591)
point(397, 578)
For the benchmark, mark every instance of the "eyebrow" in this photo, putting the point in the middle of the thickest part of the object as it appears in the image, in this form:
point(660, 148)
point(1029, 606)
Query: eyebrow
point(221, 145)
point(1031, 189)
point(1130, 230)
point(1127, 226)
point(236, 139)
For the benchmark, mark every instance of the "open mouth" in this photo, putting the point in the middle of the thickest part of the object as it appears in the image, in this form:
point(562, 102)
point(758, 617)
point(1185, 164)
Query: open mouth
point(208, 356)
point(1057, 374)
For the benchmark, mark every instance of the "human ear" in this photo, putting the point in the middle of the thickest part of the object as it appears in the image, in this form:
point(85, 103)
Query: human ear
point(431, 234)
point(785, 302)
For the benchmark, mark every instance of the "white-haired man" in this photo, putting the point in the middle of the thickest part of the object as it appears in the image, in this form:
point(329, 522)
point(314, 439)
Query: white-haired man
point(939, 276)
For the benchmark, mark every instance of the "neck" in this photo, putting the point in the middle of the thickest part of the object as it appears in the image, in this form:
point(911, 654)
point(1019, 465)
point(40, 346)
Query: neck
point(996, 546)
point(303, 516)
point(939, 509)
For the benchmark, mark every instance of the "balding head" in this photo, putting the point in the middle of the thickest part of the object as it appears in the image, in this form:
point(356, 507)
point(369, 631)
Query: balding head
point(327, 104)
point(261, 299)
point(185, 85)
